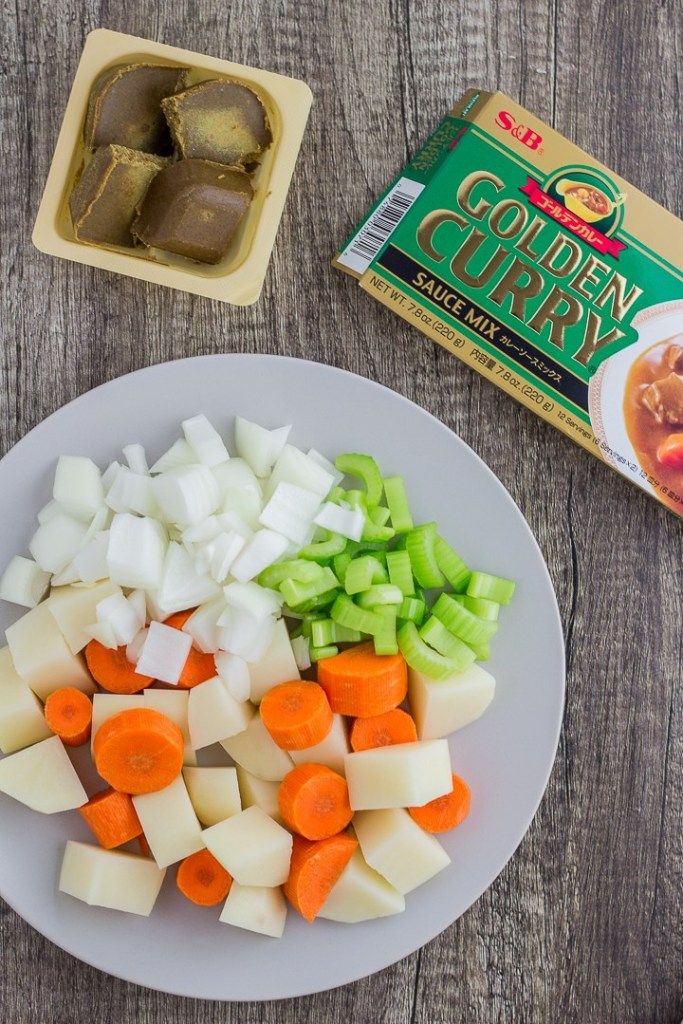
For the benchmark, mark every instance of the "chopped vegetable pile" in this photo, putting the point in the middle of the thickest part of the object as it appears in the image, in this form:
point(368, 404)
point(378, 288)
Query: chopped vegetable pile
point(174, 608)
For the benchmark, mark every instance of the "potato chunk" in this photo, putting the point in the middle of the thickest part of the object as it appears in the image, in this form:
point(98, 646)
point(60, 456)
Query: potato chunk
point(393, 844)
point(110, 878)
point(252, 847)
point(402, 775)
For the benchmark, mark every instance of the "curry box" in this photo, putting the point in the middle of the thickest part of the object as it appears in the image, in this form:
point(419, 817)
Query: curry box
point(547, 273)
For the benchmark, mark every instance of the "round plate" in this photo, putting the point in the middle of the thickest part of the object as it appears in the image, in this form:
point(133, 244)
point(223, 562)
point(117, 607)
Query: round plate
point(506, 756)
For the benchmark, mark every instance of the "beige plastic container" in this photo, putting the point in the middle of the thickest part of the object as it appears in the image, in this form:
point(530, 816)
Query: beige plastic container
point(238, 278)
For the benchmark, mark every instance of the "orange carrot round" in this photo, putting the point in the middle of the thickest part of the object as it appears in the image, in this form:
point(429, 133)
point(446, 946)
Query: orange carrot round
point(395, 726)
point(111, 818)
point(199, 666)
point(314, 801)
point(314, 869)
point(362, 684)
point(203, 880)
point(68, 712)
point(297, 715)
point(445, 812)
point(138, 751)
point(111, 669)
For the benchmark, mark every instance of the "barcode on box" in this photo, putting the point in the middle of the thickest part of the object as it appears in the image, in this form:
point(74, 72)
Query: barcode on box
point(364, 246)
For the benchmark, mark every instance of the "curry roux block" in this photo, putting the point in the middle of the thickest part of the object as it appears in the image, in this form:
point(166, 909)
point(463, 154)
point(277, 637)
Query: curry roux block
point(193, 208)
point(218, 120)
point(125, 107)
point(105, 198)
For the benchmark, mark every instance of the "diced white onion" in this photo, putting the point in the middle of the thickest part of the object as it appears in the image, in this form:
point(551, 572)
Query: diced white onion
point(252, 598)
point(302, 652)
point(245, 635)
point(258, 446)
point(55, 543)
point(234, 672)
point(221, 552)
point(349, 522)
point(91, 561)
point(179, 454)
point(136, 457)
point(132, 492)
point(136, 550)
point(291, 511)
point(49, 511)
point(78, 486)
point(263, 550)
point(103, 633)
point(181, 585)
point(325, 464)
point(187, 495)
point(201, 532)
point(24, 582)
point(124, 617)
point(205, 441)
point(203, 625)
point(164, 653)
point(294, 467)
point(66, 577)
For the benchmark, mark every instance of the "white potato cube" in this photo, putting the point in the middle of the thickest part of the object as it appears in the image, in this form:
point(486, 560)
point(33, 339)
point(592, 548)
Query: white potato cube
point(256, 750)
point(403, 775)
point(110, 878)
point(278, 664)
point(164, 653)
point(22, 721)
point(252, 847)
point(440, 708)
point(255, 908)
point(331, 751)
point(395, 845)
point(169, 822)
point(106, 705)
point(205, 441)
point(78, 486)
point(24, 582)
point(361, 894)
point(234, 672)
point(135, 555)
point(187, 495)
point(173, 704)
point(42, 777)
point(103, 633)
point(294, 467)
point(41, 655)
point(75, 608)
point(257, 792)
point(55, 542)
point(214, 715)
point(214, 793)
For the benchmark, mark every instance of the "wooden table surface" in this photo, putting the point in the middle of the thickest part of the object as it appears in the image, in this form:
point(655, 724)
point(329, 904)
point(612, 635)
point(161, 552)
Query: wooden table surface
point(585, 924)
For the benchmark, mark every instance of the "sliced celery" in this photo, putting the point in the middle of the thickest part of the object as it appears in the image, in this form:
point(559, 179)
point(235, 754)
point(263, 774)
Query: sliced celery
point(296, 593)
point(380, 594)
point(318, 653)
point(421, 657)
point(371, 531)
point(340, 564)
point(362, 573)
point(482, 607)
point(401, 572)
point(385, 637)
point(295, 569)
point(321, 602)
point(344, 635)
point(397, 500)
point(337, 494)
point(437, 636)
point(307, 623)
point(334, 544)
point(461, 622)
point(493, 588)
point(482, 652)
point(365, 467)
point(379, 515)
point(322, 633)
point(412, 609)
point(451, 565)
point(348, 614)
point(420, 548)
point(378, 548)
point(356, 499)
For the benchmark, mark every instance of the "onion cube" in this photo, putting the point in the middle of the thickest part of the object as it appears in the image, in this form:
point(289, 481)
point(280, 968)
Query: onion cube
point(250, 597)
point(132, 492)
point(136, 550)
point(245, 635)
point(24, 582)
point(258, 446)
point(135, 456)
point(179, 454)
point(325, 464)
point(187, 495)
point(49, 511)
point(205, 441)
point(202, 625)
point(234, 673)
point(90, 563)
point(349, 522)
point(122, 615)
point(78, 486)
point(55, 542)
point(182, 586)
point(296, 468)
point(164, 653)
point(290, 511)
point(265, 547)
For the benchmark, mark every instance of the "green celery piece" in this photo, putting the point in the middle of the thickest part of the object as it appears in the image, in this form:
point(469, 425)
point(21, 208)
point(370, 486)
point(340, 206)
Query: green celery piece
point(346, 613)
point(461, 622)
point(318, 653)
point(420, 548)
point(344, 635)
point(421, 657)
point(364, 467)
point(379, 515)
point(371, 531)
point(334, 544)
point(322, 633)
point(380, 594)
point(412, 609)
point(385, 638)
point(482, 652)
point(337, 494)
point(437, 636)
point(397, 500)
point(356, 499)
point(360, 547)
point(296, 593)
point(451, 565)
point(362, 573)
point(320, 602)
point(482, 607)
point(340, 564)
point(307, 623)
point(401, 572)
point(295, 569)
point(492, 588)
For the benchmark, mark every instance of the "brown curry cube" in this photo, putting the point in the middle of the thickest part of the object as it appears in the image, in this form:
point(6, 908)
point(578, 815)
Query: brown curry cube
point(125, 107)
point(193, 208)
point(104, 200)
point(218, 120)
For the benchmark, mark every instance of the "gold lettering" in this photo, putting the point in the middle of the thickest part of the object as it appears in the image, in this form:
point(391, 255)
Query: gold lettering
point(620, 302)
point(586, 276)
point(547, 313)
point(592, 341)
point(517, 222)
point(571, 255)
point(463, 256)
point(427, 230)
point(467, 185)
point(513, 283)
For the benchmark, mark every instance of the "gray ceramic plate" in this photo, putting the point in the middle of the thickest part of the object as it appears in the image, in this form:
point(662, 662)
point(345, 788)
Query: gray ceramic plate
point(506, 756)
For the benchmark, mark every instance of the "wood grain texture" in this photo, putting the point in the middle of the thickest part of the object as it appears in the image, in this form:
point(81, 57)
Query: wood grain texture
point(586, 922)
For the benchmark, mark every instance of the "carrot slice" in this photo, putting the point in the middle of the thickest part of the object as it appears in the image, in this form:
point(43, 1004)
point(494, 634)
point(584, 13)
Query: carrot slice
point(111, 818)
point(297, 714)
point(445, 812)
point(314, 801)
point(395, 726)
point(199, 666)
point(314, 869)
point(68, 712)
point(202, 879)
point(139, 751)
point(112, 670)
point(360, 683)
